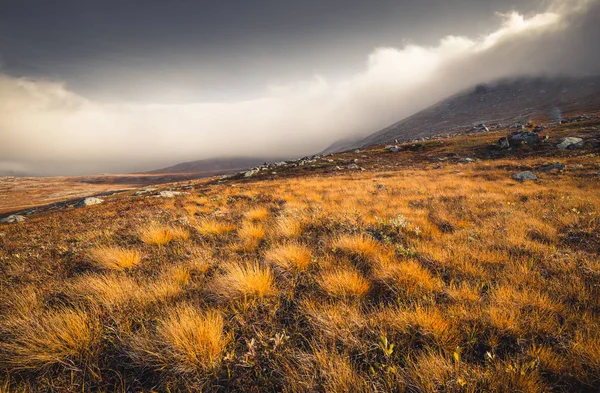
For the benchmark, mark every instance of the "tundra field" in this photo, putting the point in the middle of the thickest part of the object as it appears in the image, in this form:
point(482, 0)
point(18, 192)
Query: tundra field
point(417, 274)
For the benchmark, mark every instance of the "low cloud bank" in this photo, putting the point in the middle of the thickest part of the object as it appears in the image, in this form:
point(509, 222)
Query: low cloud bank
point(45, 129)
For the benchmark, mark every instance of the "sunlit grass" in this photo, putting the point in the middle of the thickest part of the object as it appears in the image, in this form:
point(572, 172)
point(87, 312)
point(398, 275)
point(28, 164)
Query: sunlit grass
point(290, 256)
point(186, 341)
point(344, 283)
point(115, 258)
point(244, 281)
point(161, 235)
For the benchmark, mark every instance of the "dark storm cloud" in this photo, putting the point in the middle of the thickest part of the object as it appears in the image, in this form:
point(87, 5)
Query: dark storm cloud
point(46, 127)
point(157, 51)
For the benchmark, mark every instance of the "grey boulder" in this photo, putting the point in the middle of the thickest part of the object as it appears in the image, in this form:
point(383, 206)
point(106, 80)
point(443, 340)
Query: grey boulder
point(570, 143)
point(503, 143)
point(13, 218)
point(525, 175)
point(547, 168)
point(89, 202)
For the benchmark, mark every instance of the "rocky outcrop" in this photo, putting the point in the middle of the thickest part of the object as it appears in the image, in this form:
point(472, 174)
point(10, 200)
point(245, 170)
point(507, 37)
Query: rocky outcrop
point(89, 202)
point(570, 143)
point(13, 218)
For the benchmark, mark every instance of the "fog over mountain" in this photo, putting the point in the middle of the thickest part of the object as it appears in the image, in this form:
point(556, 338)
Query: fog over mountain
point(49, 128)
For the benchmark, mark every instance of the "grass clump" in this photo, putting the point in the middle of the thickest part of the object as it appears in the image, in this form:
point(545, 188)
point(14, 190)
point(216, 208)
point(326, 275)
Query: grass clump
point(357, 245)
point(251, 235)
point(257, 214)
point(207, 227)
point(244, 281)
point(344, 283)
point(161, 235)
point(38, 341)
point(115, 258)
point(291, 256)
point(186, 341)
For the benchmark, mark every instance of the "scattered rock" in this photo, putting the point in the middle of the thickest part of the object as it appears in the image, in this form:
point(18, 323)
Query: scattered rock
point(466, 160)
point(145, 191)
point(251, 172)
point(13, 218)
point(89, 202)
point(503, 143)
point(517, 138)
point(525, 175)
point(479, 128)
point(547, 168)
point(570, 143)
point(169, 194)
point(352, 166)
point(538, 129)
point(392, 148)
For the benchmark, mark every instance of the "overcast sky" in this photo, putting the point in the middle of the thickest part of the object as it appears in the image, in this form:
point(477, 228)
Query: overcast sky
point(97, 86)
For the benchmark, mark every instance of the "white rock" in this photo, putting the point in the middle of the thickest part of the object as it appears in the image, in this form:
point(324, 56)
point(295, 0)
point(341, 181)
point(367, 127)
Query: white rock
point(89, 202)
point(13, 218)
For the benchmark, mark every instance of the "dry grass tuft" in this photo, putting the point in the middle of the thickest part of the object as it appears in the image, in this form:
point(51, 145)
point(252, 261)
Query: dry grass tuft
point(291, 256)
point(161, 235)
point(186, 341)
point(65, 336)
point(357, 245)
point(288, 227)
point(344, 283)
point(115, 258)
point(207, 227)
point(251, 235)
point(245, 281)
point(408, 278)
point(257, 214)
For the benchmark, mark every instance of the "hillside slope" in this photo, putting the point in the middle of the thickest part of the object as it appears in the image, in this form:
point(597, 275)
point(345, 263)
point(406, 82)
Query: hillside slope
point(413, 272)
point(215, 166)
point(498, 104)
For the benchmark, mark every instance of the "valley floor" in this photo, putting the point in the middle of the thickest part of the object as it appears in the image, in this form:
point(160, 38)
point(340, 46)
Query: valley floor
point(417, 274)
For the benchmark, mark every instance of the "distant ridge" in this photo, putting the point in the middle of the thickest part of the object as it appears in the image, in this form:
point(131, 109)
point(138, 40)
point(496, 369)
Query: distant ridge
point(215, 166)
point(500, 103)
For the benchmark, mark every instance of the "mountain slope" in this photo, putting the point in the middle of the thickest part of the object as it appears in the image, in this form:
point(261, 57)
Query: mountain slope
point(214, 166)
point(498, 104)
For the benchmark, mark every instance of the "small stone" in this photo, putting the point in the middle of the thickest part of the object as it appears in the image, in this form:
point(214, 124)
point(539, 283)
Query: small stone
point(525, 175)
point(89, 202)
point(13, 218)
point(547, 168)
point(169, 194)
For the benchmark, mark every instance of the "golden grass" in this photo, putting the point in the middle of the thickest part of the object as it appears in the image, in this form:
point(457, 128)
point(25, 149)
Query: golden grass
point(186, 341)
point(357, 245)
point(288, 227)
point(207, 227)
point(408, 278)
point(344, 283)
point(244, 281)
point(38, 341)
point(257, 214)
point(251, 235)
point(115, 258)
point(161, 235)
point(290, 256)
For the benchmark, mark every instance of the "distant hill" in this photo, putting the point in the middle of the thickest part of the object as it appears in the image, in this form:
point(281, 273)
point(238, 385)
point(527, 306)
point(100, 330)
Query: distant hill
point(215, 166)
point(496, 104)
